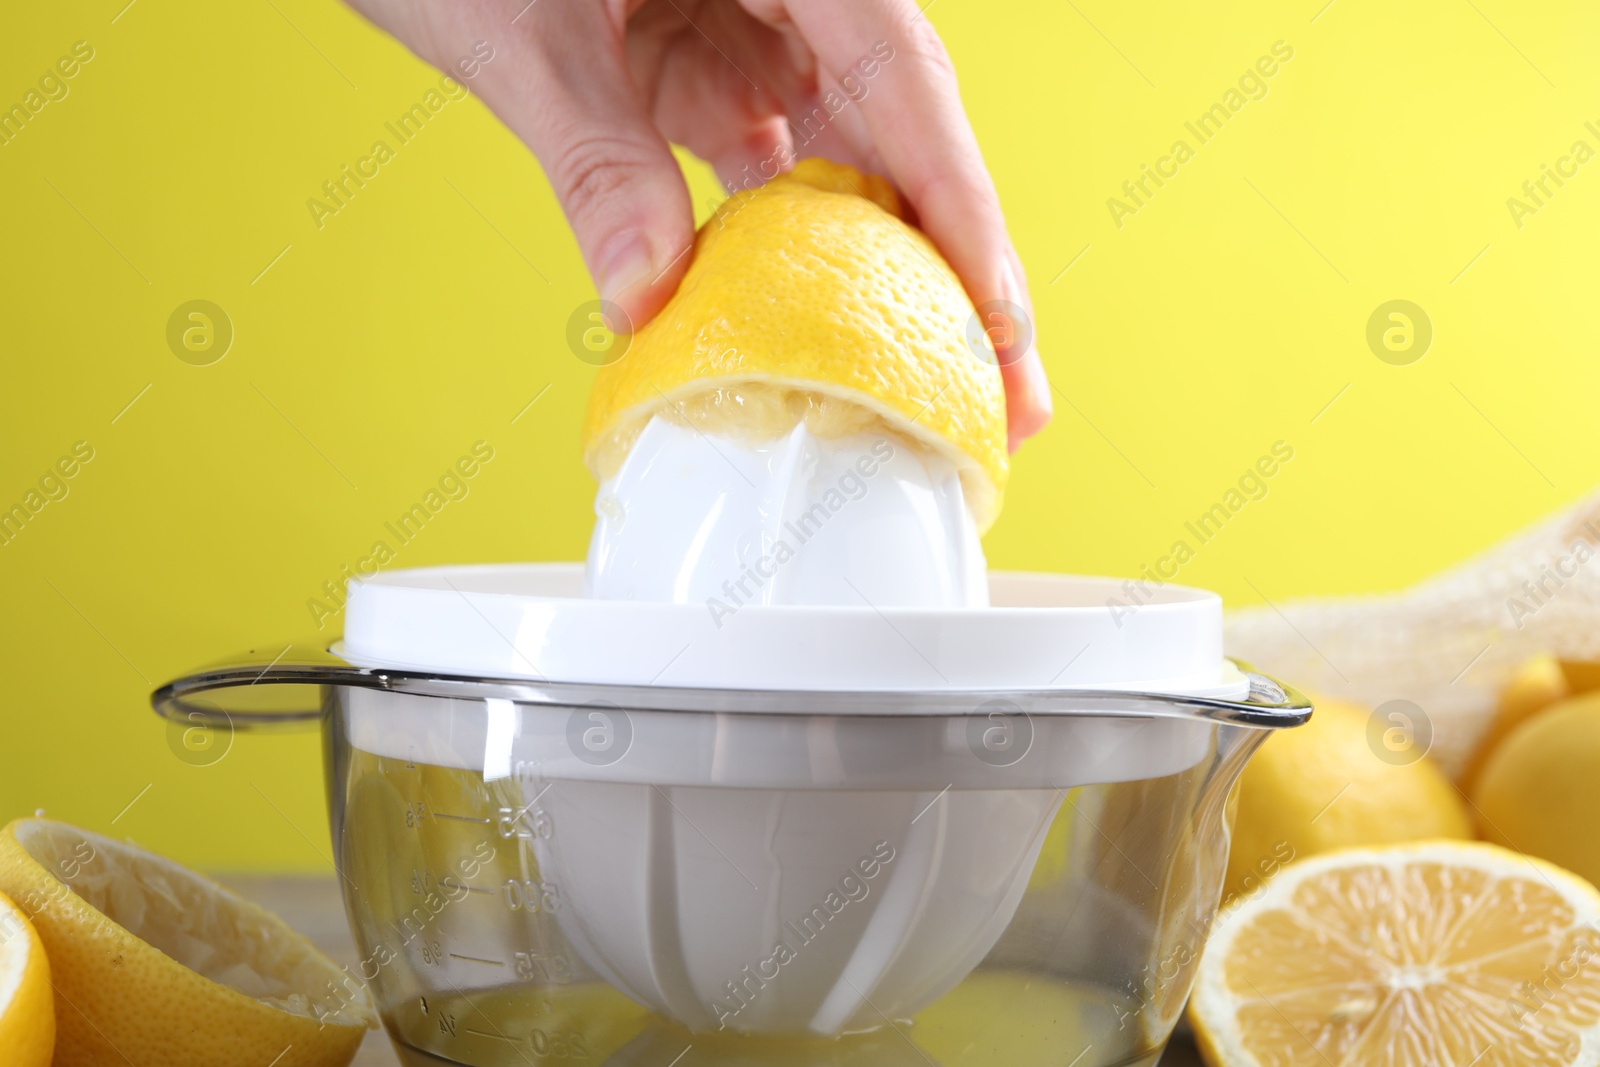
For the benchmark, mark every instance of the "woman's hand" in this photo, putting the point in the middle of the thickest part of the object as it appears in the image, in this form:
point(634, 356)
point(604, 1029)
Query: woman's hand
point(598, 88)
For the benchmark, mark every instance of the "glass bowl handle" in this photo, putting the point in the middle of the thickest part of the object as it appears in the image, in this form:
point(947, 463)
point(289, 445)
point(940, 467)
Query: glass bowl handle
point(261, 689)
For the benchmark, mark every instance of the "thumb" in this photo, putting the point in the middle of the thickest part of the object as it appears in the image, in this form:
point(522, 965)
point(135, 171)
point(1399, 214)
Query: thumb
point(613, 172)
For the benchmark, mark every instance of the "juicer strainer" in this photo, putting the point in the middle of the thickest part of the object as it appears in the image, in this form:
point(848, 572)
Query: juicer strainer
point(578, 824)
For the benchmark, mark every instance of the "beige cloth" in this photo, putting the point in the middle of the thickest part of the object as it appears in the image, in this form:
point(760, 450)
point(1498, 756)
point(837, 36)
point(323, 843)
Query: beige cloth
point(1449, 643)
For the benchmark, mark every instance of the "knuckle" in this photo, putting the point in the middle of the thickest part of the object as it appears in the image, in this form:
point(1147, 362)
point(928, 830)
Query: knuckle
point(591, 169)
point(952, 191)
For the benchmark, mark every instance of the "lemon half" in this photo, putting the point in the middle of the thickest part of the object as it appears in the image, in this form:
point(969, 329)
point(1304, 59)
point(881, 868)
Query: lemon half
point(1417, 955)
point(811, 298)
point(27, 1012)
point(154, 964)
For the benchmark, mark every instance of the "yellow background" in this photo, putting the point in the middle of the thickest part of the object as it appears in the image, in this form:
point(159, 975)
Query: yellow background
point(1223, 317)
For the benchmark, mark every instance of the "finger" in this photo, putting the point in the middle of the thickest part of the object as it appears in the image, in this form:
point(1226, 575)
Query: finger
point(702, 101)
point(746, 162)
point(839, 136)
point(580, 112)
point(814, 129)
point(912, 108)
point(1029, 405)
point(717, 83)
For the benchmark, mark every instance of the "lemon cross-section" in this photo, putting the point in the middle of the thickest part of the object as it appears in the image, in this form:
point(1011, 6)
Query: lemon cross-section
point(1417, 955)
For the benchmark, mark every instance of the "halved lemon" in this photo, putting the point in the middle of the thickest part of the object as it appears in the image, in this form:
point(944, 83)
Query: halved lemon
point(1418, 955)
point(27, 1014)
point(154, 964)
point(812, 299)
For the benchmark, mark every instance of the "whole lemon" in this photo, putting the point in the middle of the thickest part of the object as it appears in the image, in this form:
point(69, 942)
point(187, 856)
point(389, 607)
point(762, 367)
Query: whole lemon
point(1323, 786)
point(1539, 793)
point(1537, 683)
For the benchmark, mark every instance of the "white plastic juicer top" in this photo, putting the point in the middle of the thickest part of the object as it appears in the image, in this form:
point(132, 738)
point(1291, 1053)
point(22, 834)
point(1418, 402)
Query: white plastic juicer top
point(700, 518)
point(812, 870)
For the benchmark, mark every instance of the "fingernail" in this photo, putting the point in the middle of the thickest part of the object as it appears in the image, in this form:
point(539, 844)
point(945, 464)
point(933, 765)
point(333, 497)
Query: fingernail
point(1010, 284)
point(623, 263)
point(1039, 383)
point(1014, 305)
point(1034, 406)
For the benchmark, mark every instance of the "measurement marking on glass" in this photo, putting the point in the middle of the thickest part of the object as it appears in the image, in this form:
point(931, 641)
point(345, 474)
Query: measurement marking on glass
point(524, 809)
point(477, 959)
point(460, 818)
point(448, 884)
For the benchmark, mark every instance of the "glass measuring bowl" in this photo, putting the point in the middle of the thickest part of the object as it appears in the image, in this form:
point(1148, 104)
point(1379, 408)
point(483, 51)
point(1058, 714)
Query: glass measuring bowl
point(555, 872)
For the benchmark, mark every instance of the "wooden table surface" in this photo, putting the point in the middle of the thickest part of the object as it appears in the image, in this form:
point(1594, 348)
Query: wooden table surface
point(312, 906)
